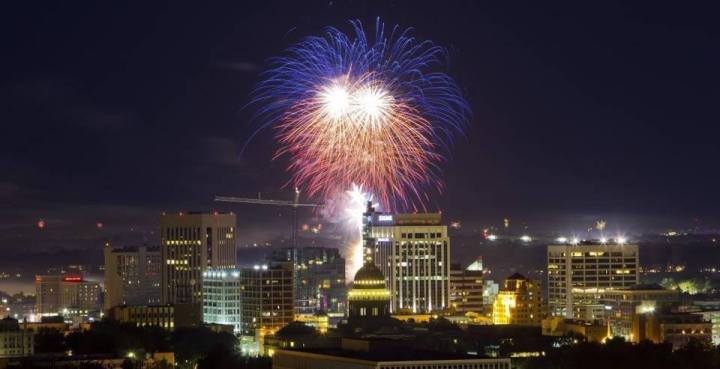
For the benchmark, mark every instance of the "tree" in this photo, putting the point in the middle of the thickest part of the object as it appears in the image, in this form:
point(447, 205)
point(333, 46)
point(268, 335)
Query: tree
point(48, 340)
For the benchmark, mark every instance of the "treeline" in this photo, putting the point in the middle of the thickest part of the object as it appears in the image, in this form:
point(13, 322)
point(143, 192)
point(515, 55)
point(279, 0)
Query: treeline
point(191, 346)
point(618, 354)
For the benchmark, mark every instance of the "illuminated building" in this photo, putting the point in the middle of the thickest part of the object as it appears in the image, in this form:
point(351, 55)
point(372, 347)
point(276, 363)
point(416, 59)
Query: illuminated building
point(190, 243)
point(710, 310)
point(319, 321)
point(145, 315)
point(413, 252)
point(15, 341)
point(368, 298)
point(221, 297)
point(266, 299)
point(557, 326)
point(490, 291)
point(674, 328)
point(579, 274)
point(518, 302)
point(466, 288)
point(319, 280)
point(55, 294)
point(621, 305)
point(132, 276)
point(164, 316)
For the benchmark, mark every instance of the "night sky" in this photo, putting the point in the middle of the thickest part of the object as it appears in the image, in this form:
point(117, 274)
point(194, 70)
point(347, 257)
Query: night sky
point(114, 114)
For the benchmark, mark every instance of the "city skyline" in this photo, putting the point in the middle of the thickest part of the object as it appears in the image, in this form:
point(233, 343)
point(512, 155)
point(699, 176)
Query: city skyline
point(105, 119)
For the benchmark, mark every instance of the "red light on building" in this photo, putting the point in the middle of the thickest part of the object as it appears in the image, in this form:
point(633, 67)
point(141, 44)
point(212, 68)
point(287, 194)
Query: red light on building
point(72, 278)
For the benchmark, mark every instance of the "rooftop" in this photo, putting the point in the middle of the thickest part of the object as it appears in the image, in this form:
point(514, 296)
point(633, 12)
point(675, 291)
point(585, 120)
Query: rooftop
point(405, 354)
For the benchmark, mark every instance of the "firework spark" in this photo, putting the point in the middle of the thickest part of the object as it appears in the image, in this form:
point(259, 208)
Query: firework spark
point(372, 110)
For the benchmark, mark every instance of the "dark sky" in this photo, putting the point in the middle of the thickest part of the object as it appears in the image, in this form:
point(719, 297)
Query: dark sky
point(114, 113)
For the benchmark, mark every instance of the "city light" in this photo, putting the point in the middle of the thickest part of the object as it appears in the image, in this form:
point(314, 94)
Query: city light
point(561, 239)
point(525, 238)
point(492, 237)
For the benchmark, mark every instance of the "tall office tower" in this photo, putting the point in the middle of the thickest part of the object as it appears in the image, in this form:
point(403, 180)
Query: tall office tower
point(319, 279)
point(466, 288)
point(579, 274)
point(221, 297)
point(190, 243)
point(132, 276)
point(413, 253)
point(518, 302)
point(266, 298)
point(55, 294)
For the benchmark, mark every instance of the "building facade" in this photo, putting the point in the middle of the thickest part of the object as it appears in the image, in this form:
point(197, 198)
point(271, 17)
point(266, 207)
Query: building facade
point(190, 243)
point(466, 289)
point(674, 328)
point(710, 310)
point(319, 279)
point(413, 253)
point(622, 304)
point(55, 294)
point(519, 302)
point(164, 316)
point(14, 340)
point(266, 295)
point(221, 297)
point(579, 274)
point(132, 276)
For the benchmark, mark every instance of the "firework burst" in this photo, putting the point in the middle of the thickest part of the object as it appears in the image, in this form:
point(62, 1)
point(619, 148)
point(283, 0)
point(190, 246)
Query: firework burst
point(375, 111)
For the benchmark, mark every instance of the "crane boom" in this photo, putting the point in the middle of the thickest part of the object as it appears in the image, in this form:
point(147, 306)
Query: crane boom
point(295, 204)
point(247, 200)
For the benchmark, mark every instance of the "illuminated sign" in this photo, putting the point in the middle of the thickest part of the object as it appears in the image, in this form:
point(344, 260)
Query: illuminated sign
point(385, 218)
point(72, 278)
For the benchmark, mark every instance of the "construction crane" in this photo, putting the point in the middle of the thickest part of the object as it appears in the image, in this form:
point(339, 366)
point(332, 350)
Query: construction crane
point(294, 205)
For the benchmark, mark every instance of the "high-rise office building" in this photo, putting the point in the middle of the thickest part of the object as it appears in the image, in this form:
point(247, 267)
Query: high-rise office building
point(132, 276)
point(518, 302)
point(190, 243)
point(466, 288)
point(221, 297)
point(413, 253)
point(319, 279)
point(580, 273)
point(266, 298)
point(56, 294)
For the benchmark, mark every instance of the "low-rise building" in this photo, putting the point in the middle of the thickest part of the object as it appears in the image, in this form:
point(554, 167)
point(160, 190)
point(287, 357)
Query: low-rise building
point(164, 316)
point(360, 354)
point(14, 340)
point(593, 331)
point(622, 304)
point(672, 327)
point(710, 310)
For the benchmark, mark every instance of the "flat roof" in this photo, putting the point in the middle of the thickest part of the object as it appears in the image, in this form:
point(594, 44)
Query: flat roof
point(391, 355)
